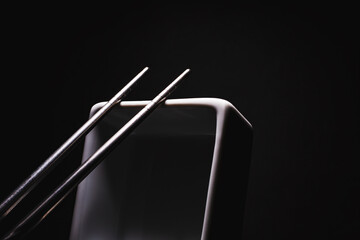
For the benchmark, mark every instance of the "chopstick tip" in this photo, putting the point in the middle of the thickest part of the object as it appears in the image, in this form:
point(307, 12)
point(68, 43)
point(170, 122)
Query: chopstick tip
point(185, 72)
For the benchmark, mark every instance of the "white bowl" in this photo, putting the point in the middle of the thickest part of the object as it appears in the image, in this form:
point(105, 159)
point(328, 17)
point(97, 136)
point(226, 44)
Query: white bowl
point(182, 174)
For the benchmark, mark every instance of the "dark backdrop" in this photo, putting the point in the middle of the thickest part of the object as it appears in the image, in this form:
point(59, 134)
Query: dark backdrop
point(293, 71)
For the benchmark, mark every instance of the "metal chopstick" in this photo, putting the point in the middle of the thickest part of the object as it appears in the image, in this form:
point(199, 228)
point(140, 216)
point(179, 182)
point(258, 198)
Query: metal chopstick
point(44, 208)
point(25, 187)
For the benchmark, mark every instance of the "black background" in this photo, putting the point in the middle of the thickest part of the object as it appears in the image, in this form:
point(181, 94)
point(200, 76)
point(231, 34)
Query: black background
point(292, 70)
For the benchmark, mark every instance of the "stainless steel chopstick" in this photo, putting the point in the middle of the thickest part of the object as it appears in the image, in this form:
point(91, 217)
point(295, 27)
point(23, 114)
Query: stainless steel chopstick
point(25, 187)
point(45, 207)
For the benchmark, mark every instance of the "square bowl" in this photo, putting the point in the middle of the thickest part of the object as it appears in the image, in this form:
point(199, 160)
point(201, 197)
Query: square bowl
point(181, 174)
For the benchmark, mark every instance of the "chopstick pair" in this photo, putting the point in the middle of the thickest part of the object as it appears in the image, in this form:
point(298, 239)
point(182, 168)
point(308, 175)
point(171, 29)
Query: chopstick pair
point(46, 206)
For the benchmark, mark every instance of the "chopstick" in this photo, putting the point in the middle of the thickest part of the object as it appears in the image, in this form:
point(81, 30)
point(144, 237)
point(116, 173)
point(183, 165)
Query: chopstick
point(45, 207)
point(44, 169)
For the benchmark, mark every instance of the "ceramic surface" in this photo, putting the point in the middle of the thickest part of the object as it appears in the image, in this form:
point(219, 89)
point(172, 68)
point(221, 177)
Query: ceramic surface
point(174, 177)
